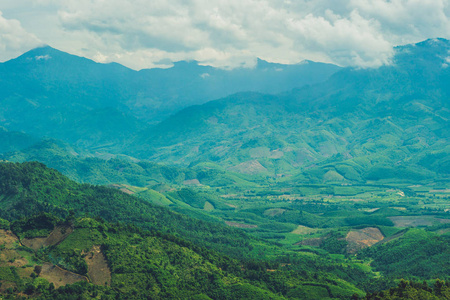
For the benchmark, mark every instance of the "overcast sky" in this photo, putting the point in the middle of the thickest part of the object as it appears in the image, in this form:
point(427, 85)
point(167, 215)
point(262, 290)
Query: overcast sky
point(225, 33)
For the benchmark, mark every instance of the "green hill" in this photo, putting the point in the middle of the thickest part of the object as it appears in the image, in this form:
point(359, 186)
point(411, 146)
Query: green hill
point(160, 261)
point(31, 187)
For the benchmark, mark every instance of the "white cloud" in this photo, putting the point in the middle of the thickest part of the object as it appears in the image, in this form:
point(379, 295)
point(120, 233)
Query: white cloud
point(42, 57)
point(141, 33)
point(408, 20)
point(14, 40)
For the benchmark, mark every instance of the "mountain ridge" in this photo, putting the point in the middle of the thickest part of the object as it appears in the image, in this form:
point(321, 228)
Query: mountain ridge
point(44, 92)
point(388, 115)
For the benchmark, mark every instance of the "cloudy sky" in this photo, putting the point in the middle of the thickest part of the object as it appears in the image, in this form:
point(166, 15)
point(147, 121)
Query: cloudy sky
point(225, 33)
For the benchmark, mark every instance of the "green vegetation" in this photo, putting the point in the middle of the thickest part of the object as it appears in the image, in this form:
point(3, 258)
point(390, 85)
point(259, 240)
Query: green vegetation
point(146, 264)
point(281, 259)
point(414, 291)
point(31, 187)
point(416, 254)
point(332, 191)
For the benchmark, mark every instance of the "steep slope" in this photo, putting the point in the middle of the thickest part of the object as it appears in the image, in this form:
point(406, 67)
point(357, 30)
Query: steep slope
point(46, 92)
point(358, 121)
point(138, 264)
point(31, 187)
point(173, 268)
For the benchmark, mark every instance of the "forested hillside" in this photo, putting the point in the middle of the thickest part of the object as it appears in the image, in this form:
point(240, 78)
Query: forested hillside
point(306, 181)
point(31, 188)
point(361, 125)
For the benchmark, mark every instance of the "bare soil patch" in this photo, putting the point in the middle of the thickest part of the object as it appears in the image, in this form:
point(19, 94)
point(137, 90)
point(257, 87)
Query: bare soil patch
point(58, 235)
point(19, 262)
point(126, 191)
point(98, 269)
point(363, 238)
point(8, 238)
point(240, 225)
point(123, 188)
point(443, 231)
point(59, 277)
point(34, 243)
point(9, 256)
point(6, 285)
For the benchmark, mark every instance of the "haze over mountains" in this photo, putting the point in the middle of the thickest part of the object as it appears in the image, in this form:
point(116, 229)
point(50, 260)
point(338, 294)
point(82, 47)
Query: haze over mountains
point(278, 182)
point(320, 121)
point(101, 103)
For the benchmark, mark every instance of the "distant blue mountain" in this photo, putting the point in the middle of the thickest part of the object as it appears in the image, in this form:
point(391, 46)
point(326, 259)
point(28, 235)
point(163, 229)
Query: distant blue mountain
point(47, 92)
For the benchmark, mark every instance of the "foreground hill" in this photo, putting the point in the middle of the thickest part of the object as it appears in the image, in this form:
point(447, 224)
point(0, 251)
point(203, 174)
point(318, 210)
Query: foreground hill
point(119, 261)
point(360, 125)
point(259, 270)
point(31, 187)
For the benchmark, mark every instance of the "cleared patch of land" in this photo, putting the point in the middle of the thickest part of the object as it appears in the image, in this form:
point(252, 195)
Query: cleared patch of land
point(191, 182)
point(249, 167)
point(240, 225)
point(302, 230)
point(7, 238)
point(363, 238)
point(98, 270)
point(34, 243)
point(8, 255)
point(59, 277)
point(208, 206)
point(55, 237)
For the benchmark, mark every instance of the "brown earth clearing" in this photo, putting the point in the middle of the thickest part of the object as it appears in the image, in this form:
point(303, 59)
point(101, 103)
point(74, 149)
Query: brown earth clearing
point(98, 270)
point(9, 256)
point(59, 277)
point(362, 238)
point(56, 236)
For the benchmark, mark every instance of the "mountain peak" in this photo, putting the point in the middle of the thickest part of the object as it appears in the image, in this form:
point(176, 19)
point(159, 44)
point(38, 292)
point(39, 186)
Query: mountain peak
point(424, 54)
point(434, 42)
point(41, 53)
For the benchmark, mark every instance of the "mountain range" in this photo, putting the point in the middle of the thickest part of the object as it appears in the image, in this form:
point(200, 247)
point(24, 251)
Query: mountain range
point(276, 182)
point(46, 92)
point(321, 122)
